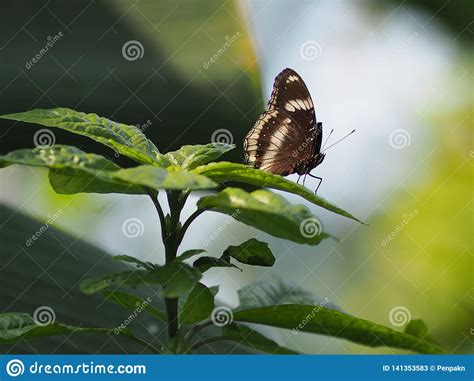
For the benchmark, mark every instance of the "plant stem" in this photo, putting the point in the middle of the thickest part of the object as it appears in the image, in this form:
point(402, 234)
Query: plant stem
point(186, 225)
point(161, 215)
point(171, 250)
point(173, 234)
point(169, 237)
point(171, 305)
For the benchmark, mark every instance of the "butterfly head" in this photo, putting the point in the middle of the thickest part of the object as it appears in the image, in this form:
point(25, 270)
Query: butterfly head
point(305, 167)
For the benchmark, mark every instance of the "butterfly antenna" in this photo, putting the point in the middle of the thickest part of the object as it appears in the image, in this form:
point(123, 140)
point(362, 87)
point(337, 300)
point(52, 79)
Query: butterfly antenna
point(325, 142)
point(340, 140)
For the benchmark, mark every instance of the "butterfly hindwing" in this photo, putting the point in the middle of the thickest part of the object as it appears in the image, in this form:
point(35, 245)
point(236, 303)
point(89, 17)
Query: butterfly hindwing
point(277, 143)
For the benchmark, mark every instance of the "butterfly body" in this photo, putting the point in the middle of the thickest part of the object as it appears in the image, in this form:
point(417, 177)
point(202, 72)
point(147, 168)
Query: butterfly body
point(286, 139)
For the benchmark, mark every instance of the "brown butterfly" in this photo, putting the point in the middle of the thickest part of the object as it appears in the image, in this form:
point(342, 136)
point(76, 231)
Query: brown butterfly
point(286, 139)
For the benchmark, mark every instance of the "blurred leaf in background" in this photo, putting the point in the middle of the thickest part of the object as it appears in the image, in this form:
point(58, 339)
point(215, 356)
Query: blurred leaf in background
point(422, 262)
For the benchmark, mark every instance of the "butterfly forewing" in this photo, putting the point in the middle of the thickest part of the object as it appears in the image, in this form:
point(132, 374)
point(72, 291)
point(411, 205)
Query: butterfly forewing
point(291, 94)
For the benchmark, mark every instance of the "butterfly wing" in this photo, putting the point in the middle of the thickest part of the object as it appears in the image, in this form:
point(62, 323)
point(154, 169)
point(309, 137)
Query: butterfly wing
point(277, 143)
point(286, 135)
point(291, 95)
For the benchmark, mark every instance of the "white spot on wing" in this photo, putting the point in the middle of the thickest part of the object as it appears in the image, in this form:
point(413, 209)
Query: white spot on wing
point(302, 104)
point(308, 103)
point(280, 136)
point(295, 104)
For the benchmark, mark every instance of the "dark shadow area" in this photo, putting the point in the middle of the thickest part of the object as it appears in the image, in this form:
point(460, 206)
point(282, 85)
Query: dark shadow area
point(48, 273)
point(85, 70)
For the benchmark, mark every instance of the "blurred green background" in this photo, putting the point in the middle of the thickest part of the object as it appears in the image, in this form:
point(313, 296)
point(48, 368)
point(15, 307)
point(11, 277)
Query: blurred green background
point(378, 67)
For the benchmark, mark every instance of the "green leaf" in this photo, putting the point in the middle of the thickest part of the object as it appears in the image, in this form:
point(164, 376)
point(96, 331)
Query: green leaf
point(189, 253)
point(205, 263)
point(177, 346)
point(161, 178)
point(135, 261)
point(176, 278)
point(130, 279)
point(134, 303)
point(253, 339)
point(124, 139)
point(268, 212)
point(320, 320)
point(252, 252)
point(275, 291)
point(198, 306)
point(189, 157)
point(16, 326)
point(57, 156)
point(71, 181)
point(416, 327)
point(225, 172)
point(72, 170)
point(214, 290)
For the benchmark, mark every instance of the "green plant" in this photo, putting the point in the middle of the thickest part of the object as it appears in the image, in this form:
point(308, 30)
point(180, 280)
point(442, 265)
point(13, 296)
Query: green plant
point(190, 305)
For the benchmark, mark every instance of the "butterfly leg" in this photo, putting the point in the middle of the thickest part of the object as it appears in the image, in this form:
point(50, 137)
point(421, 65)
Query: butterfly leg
point(298, 181)
point(320, 181)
